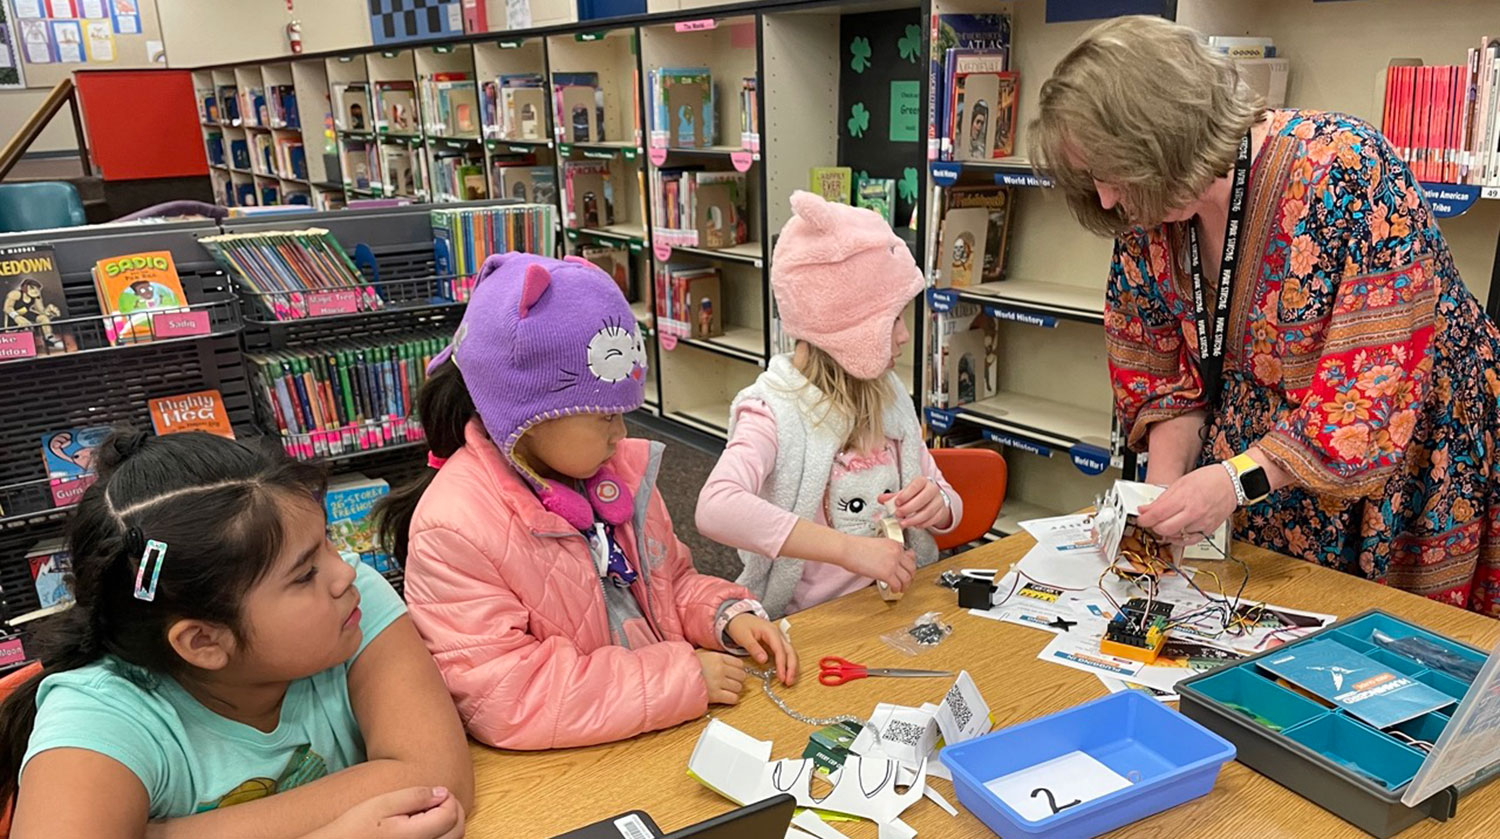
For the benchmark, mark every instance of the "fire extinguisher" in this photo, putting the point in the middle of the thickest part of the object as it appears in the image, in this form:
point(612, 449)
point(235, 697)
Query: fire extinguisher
point(294, 36)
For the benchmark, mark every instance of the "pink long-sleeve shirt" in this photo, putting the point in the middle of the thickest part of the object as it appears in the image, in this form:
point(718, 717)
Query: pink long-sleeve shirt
point(731, 511)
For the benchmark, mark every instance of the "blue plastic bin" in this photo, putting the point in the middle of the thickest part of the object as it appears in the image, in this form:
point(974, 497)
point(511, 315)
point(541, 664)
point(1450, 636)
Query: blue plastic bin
point(1169, 758)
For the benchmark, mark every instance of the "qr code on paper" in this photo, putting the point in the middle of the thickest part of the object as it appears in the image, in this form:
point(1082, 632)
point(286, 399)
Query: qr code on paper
point(904, 733)
point(955, 702)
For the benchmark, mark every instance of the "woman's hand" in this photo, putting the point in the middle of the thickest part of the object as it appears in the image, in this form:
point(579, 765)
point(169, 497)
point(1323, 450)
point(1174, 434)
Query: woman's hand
point(764, 641)
point(920, 505)
point(1192, 507)
point(411, 813)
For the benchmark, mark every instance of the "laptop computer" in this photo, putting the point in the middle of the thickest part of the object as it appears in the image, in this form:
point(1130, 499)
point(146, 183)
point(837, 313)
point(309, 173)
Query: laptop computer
point(767, 819)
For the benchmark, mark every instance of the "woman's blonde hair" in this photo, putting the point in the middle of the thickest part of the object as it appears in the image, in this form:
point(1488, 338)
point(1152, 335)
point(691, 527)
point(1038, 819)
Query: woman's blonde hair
point(1141, 104)
point(861, 401)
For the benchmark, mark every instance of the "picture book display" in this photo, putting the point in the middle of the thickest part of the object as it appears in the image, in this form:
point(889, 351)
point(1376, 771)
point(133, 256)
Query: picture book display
point(136, 286)
point(983, 104)
point(33, 298)
point(688, 301)
point(458, 174)
point(68, 455)
point(589, 192)
point(834, 183)
point(1444, 120)
point(401, 166)
point(450, 102)
point(396, 107)
point(348, 505)
point(682, 108)
point(1360, 685)
point(531, 184)
point(750, 113)
point(200, 411)
point(51, 568)
point(352, 103)
point(966, 357)
point(512, 107)
point(964, 237)
point(696, 208)
point(578, 107)
point(996, 202)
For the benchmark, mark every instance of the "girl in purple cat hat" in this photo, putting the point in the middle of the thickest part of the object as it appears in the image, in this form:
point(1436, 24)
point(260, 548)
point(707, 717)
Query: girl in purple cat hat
point(541, 567)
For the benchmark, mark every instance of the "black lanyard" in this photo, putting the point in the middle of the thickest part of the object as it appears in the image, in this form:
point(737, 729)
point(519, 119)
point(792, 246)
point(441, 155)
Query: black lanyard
point(1211, 344)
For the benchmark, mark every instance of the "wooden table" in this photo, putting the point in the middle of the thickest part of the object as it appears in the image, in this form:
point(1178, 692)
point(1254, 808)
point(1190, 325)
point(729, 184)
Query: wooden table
point(546, 793)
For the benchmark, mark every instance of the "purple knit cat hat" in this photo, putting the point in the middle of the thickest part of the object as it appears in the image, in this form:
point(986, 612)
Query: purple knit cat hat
point(546, 338)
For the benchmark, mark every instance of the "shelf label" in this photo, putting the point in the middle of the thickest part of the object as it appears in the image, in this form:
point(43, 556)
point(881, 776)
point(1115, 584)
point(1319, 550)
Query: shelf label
point(519, 149)
point(180, 324)
point(696, 25)
point(1090, 460)
point(511, 43)
point(940, 420)
point(741, 160)
point(1026, 179)
point(589, 36)
point(341, 302)
point(15, 345)
point(945, 172)
point(572, 234)
point(600, 155)
point(564, 149)
point(1449, 200)
point(634, 246)
point(1016, 442)
point(667, 340)
point(631, 152)
point(662, 250)
point(942, 299)
point(443, 49)
point(1016, 316)
point(658, 155)
point(389, 53)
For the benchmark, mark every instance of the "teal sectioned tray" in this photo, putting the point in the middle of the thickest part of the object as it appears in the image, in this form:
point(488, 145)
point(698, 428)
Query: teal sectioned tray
point(1166, 758)
point(1379, 782)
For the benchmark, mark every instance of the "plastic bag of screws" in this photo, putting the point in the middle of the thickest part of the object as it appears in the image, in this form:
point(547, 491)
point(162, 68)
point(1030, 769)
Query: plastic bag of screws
point(925, 632)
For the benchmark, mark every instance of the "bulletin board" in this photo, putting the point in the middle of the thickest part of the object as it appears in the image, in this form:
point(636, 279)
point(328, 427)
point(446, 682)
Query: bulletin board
point(56, 37)
point(881, 68)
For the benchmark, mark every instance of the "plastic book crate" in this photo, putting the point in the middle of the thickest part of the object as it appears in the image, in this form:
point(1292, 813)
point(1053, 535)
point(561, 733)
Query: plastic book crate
point(1168, 758)
point(1308, 748)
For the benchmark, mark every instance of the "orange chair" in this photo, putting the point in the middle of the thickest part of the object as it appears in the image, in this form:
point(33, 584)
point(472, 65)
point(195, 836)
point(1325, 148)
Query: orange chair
point(979, 478)
point(8, 685)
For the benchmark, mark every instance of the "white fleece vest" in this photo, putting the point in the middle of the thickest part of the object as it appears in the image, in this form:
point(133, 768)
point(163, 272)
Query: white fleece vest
point(804, 463)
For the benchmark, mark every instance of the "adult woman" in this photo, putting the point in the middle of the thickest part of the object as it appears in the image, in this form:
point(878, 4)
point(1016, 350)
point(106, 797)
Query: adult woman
point(1340, 386)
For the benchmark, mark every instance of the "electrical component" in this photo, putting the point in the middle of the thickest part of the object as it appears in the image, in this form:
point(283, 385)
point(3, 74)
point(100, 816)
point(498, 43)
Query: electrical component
point(1138, 631)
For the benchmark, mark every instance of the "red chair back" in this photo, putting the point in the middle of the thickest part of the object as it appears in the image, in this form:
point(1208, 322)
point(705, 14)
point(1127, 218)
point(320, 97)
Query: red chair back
point(979, 478)
point(8, 685)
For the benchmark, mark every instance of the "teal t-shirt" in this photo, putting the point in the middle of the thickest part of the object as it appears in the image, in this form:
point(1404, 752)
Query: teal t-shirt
point(189, 758)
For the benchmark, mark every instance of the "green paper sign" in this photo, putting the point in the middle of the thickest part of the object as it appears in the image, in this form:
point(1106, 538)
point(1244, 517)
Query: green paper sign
point(906, 104)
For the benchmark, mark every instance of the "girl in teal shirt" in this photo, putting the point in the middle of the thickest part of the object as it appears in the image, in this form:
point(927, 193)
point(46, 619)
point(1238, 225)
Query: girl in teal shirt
point(224, 672)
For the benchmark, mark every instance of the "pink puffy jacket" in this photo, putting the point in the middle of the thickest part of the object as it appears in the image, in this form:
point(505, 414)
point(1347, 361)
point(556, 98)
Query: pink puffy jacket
point(507, 597)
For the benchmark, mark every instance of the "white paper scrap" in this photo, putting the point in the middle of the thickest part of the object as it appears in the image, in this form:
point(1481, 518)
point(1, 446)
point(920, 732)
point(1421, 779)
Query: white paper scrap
point(1076, 777)
point(963, 714)
point(808, 820)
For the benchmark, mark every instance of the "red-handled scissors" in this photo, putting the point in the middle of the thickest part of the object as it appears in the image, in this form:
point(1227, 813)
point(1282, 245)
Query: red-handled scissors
point(836, 671)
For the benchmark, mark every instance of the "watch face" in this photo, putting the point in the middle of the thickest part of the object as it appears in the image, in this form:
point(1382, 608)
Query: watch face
point(1255, 483)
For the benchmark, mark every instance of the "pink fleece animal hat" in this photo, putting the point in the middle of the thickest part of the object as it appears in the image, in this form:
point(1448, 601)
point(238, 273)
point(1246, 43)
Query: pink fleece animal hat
point(841, 277)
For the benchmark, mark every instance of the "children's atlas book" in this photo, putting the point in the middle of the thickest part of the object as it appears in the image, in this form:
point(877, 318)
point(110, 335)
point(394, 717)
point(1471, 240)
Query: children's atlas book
point(51, 572)
point(31, 288)
point(201, 411)
point(137, 286)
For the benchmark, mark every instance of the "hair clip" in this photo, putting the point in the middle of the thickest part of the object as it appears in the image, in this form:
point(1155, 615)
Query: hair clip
point(157, 551)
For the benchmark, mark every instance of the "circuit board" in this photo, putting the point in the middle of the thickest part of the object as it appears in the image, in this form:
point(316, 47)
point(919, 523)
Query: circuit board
point(1138, 632)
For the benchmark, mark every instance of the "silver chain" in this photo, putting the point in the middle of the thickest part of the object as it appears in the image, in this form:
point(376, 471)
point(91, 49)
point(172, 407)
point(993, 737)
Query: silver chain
point(766, 676)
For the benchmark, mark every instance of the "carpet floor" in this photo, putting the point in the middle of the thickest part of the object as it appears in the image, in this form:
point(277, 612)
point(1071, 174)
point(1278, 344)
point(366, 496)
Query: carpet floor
point(685, 468)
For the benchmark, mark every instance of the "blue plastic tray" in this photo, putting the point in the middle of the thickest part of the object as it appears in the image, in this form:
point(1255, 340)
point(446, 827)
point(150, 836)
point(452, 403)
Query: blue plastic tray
point(1169, 758)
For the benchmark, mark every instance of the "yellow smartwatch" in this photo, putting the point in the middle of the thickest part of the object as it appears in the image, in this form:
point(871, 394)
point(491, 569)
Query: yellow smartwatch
point(1250, 482)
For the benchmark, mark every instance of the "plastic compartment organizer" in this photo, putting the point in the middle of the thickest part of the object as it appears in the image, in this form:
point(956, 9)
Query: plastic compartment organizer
point(1086, 770)
point(1324, 753)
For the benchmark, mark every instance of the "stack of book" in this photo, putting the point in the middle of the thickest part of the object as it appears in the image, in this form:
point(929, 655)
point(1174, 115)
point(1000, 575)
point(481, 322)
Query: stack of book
point(694, 208)
point(688, 301)
point(401, 166)
point(291, 159)
point(450, 103)
point(589, 190)
point(463, 238)
point(972, 94)
point(229, 105)
point(458, 174)
point(294, 274)
point(1445, 121)
point(396, 108)
point(750, 113)
point(345, 396)
point(360, 161)
point(281, 100)
point(682, 107)
point(514, 107)
point(351, 101)
point(578, 106)
point(522, 179)
point(253, 109)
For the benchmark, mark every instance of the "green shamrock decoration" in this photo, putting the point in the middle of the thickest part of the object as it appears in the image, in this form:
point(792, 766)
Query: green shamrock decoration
point(911, 44)
point(908, 185)
point(859, 120)
point(860, 48)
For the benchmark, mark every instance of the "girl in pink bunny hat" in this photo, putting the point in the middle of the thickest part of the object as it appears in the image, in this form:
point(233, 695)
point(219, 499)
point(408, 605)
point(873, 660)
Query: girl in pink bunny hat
point(827, 436)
